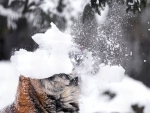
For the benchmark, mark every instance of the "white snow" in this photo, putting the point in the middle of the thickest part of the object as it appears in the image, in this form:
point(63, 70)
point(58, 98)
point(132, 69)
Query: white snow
point(110, 74)
point(8, 83)
point(128, 92)
point(51, 58)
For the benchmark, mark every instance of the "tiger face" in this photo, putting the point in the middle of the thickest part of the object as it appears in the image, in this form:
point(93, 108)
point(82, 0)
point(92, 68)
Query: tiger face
point(56, 94)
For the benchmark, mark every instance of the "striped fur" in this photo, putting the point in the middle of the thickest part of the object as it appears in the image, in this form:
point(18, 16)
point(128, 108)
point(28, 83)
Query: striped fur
point(56, 94)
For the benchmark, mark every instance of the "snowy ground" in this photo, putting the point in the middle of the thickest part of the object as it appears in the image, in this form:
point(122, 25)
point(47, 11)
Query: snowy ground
point(116, 97)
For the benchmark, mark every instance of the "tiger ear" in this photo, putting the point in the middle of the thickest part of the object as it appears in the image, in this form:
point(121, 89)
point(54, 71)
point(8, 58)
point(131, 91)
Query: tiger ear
point(22, 78)
point(74, 82)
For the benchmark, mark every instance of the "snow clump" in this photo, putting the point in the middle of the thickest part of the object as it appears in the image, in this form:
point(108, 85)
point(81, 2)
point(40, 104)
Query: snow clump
point(52, 56)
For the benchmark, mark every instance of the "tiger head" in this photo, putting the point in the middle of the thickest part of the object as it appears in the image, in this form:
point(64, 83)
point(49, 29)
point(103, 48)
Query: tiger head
point(56, 94)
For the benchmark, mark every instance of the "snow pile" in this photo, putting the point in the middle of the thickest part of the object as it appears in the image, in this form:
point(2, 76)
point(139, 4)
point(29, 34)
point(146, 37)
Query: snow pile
point(8, 84)
point(51, 58)
point(96, 92)
point(110, 74)
point(110, 90)
point(107, 74)
point(103, 73)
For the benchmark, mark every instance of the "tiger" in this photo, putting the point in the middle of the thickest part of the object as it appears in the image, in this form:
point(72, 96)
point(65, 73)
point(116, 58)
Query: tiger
point(56, 94)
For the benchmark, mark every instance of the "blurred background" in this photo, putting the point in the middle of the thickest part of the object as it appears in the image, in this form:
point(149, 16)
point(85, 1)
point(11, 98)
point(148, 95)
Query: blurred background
point(19, 20)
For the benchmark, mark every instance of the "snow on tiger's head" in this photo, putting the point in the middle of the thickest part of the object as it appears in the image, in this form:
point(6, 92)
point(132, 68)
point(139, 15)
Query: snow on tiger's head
point(52, 56)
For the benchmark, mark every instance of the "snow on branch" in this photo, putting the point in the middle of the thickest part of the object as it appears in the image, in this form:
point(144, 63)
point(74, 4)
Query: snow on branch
point(68, 9)
point(132, 5)
point(9, 13)
point(135, 5)
point(42, 12)
point(11, 16)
